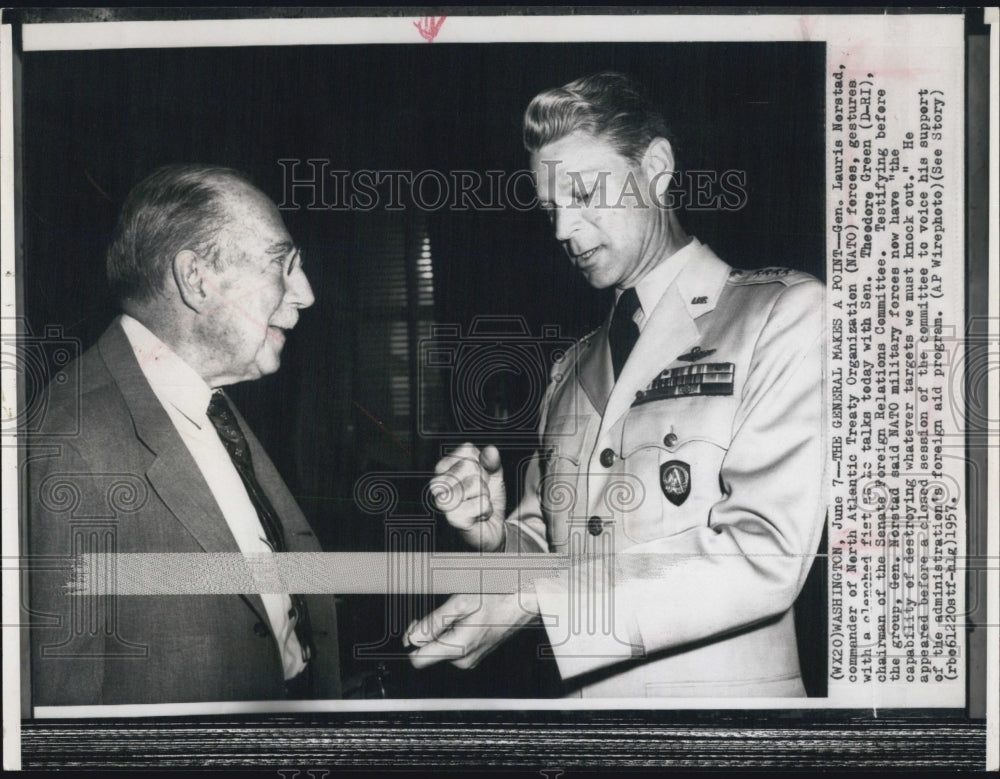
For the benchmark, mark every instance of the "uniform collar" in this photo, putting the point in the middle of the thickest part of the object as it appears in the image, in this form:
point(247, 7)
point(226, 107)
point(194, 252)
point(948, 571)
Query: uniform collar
point(654, 284)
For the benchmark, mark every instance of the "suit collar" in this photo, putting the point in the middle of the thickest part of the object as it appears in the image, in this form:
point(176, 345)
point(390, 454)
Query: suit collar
point(175, 383)
point(151, 422)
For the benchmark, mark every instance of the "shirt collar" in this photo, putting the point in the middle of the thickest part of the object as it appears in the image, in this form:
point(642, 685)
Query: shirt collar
point(172, 380)
point(654, 284)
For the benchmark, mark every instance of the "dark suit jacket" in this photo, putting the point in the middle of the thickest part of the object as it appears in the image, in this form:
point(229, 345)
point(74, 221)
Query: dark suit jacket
point(112, 473)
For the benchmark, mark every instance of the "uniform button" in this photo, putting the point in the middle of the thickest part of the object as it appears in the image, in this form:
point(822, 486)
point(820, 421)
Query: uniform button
point(595, 526)
point(608, 458)
point(670, 439)
point(260, 629)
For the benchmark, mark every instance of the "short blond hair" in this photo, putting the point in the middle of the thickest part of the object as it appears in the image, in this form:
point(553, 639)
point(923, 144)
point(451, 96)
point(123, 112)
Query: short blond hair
point(607, 105)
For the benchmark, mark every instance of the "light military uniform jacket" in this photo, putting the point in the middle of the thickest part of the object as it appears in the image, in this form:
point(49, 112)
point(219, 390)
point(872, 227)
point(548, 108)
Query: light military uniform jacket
point(688, 496)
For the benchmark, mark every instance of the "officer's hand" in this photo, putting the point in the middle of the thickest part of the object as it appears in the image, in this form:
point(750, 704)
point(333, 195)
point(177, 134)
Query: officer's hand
point(468, 627)
point(469, 489)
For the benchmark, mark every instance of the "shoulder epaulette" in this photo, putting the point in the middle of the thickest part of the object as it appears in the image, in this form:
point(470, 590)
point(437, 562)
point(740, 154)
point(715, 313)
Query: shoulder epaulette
point(585, 340)
point(565, 361)
point(786, 276)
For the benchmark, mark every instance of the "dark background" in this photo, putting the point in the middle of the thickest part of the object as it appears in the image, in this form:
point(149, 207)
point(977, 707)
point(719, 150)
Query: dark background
point(97, 122)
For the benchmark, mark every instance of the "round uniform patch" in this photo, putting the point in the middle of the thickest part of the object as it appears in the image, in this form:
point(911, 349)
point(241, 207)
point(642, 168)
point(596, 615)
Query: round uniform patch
point(675, 481)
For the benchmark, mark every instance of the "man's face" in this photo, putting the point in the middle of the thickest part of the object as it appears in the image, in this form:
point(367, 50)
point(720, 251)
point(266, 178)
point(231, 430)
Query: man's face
point(258, 290)
point(600, 206)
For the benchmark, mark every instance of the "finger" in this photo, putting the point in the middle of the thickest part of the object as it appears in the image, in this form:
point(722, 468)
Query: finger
point(460, 469)
point(418, 634)
point(427, 630)
point(469, 661)
point(466, 477)
point(435, 652)
point(459, 454)
point(445, 464)
point(446, 491)
point(406, 633)
point(459, 646)
point(476, 506)
point(489, 458)
point(451, 492)
point(479, 509)
point(466, 451)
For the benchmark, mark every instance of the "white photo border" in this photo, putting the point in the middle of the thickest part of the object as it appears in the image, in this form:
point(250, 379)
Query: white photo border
point(398, 28)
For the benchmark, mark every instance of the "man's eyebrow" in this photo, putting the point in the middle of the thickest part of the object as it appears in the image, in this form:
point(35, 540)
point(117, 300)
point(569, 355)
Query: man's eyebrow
point(281, 248)
point(572, 177)
point(576, 176)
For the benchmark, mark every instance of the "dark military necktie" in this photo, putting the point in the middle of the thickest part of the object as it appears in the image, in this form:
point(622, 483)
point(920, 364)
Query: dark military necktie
point(624, 331)
point(235, 442)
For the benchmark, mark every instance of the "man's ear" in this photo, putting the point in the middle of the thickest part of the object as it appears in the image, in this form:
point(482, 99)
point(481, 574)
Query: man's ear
point(188, 270)
point(658, 165)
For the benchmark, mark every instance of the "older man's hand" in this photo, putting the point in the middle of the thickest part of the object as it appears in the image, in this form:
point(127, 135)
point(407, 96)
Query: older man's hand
point(468, 627)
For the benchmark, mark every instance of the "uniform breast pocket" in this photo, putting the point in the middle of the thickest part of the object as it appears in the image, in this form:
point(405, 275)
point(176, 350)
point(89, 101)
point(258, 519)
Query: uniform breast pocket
point(676, 448)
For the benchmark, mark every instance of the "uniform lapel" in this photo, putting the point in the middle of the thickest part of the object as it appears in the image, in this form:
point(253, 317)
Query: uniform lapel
point(595, 372)
point(670, 330)
point(667, 333)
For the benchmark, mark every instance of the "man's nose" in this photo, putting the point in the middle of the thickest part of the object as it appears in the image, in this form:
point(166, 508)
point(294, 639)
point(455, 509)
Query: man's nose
point(564, 220)
point(298, 291)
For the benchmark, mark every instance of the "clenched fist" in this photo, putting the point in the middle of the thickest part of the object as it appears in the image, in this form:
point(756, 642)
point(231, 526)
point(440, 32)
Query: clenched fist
point(469, 490)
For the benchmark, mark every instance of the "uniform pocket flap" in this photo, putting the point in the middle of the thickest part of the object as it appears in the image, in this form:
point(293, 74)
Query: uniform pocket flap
point(670, 425)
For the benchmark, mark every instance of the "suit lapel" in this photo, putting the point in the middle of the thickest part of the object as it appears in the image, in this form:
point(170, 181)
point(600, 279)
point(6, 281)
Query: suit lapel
point(669, 331)
point(173, 473)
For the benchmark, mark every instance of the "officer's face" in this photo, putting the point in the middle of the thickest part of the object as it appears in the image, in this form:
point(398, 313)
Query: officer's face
point(259, 288)
point(601, 207)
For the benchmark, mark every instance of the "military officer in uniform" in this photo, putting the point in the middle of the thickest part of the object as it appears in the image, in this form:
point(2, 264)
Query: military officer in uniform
point(680, 469)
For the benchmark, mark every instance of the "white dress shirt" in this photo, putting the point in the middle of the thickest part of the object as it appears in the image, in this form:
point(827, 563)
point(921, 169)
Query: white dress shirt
point(185, 396)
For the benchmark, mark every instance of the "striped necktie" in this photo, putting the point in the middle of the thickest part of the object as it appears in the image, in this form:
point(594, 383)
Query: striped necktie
point(224, 420)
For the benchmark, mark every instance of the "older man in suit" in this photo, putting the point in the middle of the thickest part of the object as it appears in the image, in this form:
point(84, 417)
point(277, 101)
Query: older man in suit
point(680, 466)
point(209, 283)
